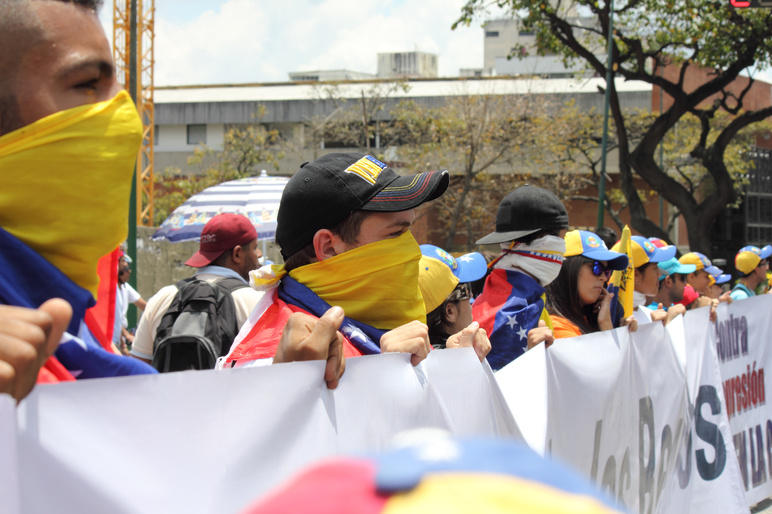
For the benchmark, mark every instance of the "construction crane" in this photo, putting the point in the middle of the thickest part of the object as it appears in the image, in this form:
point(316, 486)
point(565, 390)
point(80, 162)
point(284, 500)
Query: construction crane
point(122, 43)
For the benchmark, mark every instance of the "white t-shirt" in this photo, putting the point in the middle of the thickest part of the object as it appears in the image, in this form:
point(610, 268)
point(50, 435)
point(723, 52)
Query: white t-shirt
point(124, 295)
point(244, 299)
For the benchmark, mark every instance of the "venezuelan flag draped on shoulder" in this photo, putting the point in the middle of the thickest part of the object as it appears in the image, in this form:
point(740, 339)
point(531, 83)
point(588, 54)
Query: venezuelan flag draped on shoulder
point(361, 281)
point(512, 301)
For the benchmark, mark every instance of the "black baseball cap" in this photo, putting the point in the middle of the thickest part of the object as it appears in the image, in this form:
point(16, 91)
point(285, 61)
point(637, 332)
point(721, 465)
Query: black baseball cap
point(526, 210)
point(325, 191)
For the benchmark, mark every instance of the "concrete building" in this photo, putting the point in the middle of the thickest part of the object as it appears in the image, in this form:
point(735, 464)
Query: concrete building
point(328, 76)
point(401, 65)
point(510, 49)
point(189, 115)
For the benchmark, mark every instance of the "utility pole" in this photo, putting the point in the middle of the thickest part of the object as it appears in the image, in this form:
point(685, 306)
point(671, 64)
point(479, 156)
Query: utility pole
point(604, 143)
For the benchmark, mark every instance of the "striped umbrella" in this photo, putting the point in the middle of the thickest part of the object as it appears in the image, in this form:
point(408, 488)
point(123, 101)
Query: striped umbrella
point(255, 197)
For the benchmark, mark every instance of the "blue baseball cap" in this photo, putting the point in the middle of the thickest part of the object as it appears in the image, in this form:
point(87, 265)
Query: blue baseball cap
point(672, 266)
point(589, 244)
point(467, 268)
point(652, 252)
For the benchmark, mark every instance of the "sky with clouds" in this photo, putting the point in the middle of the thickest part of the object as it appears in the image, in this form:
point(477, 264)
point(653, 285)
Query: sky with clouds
point(238, 41)
point(242, 41)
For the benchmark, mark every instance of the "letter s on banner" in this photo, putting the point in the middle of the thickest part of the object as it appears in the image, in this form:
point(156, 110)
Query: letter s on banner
point(709, 433)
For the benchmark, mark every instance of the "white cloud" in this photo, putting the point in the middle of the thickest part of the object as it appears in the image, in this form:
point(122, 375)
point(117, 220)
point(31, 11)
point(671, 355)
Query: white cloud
point(236, 41)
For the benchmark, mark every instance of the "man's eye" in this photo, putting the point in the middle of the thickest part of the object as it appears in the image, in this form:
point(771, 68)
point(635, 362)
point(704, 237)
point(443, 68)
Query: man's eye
point(88, 84)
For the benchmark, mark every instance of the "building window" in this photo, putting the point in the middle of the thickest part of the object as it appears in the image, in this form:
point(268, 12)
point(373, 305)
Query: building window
point(155, 135)
point(492, 33)
point(526, 33)
point(196, 134)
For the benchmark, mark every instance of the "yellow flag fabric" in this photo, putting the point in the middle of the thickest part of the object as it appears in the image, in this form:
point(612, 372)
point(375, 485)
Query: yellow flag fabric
point(622, 283)
point(65, 182)
point(376, 284)
point(489, 493)
point(544, 314)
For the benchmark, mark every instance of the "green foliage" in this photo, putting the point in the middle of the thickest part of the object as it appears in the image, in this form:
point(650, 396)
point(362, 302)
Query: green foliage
point(479, 138)
point(706, 165)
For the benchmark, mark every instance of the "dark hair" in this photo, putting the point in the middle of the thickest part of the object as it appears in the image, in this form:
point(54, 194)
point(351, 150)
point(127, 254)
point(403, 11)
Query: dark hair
point(673, 277)
point(347, 230)
point(607, 235)
point(437, 320)
point(563, 296)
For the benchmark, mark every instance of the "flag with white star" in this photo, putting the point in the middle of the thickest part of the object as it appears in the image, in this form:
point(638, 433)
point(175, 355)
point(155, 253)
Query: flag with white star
point(509, 306)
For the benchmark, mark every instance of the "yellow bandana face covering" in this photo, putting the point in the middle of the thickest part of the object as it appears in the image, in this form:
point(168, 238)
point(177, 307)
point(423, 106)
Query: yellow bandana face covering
point(376, 284)
point(65, 182)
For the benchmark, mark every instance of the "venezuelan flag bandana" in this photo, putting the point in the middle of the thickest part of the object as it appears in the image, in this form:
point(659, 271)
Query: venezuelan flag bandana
point(375, 284)
point(65, 182)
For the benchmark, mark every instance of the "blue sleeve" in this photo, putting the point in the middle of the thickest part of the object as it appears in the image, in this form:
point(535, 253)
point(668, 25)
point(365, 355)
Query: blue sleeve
point(84, 357)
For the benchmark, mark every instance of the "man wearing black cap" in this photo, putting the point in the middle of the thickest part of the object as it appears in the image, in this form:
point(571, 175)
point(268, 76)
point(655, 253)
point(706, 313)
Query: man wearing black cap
point(227, 250)
point(344, 231)
point(530, 223)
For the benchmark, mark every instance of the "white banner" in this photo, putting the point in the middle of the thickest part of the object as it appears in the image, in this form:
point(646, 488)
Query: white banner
point(618, 409)
point(9, 473)
point(215, 441)
point(639, 414)
point(642, 415)
point(743, 335)
point(708, 475)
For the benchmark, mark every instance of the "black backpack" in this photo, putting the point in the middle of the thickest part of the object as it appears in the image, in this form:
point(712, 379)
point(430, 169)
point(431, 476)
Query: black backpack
point(199, 326)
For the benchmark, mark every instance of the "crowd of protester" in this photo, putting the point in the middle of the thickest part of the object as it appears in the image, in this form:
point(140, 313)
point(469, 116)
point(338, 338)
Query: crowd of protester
point(354, 279)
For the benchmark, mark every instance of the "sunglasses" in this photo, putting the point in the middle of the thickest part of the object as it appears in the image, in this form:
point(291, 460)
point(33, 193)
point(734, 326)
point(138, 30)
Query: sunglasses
point(466, 291)
point(598, 269)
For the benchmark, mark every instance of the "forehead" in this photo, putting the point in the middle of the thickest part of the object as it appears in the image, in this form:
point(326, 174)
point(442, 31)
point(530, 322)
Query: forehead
point(66, 35)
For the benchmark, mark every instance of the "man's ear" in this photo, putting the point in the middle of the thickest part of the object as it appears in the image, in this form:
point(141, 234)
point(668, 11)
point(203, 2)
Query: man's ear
point(451, 312)
point(326, 244)
point(237, 254)
point(638, 277)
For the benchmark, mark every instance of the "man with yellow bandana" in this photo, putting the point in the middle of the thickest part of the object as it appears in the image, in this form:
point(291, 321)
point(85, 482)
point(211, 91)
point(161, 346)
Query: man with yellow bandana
point(344, 231)
point(68, 140)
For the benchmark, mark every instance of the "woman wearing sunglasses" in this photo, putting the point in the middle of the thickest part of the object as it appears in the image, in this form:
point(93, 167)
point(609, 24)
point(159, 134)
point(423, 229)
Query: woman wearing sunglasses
point(577, 300)
point(444, 283)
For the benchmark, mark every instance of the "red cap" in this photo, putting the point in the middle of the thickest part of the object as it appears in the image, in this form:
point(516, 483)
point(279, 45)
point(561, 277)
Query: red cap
point(220, 234)
point(689, 295)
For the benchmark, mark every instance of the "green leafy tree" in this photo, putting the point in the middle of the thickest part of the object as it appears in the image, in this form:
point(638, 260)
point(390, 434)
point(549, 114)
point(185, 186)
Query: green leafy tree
point(682, 33)
point(246, 150)
point(479, 138)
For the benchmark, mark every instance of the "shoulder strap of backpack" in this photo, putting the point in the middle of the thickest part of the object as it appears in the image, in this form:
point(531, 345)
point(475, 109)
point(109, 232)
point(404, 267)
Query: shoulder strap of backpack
point(231, 284)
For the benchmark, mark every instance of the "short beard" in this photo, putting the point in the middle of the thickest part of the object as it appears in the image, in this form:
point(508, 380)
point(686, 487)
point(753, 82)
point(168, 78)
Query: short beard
point(10, 114)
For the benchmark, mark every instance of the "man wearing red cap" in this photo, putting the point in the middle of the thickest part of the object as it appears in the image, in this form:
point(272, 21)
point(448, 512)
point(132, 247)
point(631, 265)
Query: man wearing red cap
point(228, 249)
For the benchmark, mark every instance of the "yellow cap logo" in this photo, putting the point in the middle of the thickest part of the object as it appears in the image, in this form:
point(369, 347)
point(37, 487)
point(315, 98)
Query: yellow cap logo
point(368, 168)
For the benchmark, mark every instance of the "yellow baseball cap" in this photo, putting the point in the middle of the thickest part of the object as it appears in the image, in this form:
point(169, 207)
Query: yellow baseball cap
point(749, 257)
point(700, 261)
point(436, 281)
point(589, 244)
point(645, 251)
